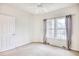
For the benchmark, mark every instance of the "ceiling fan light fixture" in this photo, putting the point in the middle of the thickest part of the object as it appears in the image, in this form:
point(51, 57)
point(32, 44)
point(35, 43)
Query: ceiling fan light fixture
point(39, 5)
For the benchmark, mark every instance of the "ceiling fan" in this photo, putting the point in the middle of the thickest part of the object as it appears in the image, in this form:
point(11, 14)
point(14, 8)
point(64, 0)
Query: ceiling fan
point(40, 5)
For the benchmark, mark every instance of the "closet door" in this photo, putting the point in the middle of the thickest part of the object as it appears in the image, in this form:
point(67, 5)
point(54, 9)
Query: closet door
point(8, 32)
point(0, 32)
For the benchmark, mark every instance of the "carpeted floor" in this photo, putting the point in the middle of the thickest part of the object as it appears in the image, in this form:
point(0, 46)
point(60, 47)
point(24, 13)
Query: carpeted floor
point(38, 49)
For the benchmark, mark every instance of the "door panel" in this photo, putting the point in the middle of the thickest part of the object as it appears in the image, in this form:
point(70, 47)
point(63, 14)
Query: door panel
point(0, 33)
point(8, 29)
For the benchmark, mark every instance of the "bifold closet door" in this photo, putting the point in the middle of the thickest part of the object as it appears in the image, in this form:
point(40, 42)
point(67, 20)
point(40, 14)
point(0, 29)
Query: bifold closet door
point(0, 33)
point(7, 36)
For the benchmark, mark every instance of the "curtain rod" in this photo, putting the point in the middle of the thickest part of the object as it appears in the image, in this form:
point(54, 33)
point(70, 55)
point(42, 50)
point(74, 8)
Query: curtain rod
point(58, 17)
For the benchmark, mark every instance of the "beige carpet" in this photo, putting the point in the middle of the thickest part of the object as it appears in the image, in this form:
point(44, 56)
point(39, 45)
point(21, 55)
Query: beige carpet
point(37, 49)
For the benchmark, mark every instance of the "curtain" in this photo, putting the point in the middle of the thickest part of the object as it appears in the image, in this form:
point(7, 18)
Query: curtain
point(44, 37)
point(69, 30)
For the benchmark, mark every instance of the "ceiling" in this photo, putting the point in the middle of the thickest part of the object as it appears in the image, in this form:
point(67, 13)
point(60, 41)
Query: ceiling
point(40, 8)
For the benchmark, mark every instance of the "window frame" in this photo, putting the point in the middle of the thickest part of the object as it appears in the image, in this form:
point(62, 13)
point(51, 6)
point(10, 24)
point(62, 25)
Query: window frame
point(55, 28)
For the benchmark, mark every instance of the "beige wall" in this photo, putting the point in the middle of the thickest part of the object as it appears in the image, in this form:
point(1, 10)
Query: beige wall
point(38, 25)
point(23, 23)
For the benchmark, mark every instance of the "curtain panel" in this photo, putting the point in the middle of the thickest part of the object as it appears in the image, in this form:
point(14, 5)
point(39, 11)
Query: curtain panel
point(69, 30)
point(44, 37)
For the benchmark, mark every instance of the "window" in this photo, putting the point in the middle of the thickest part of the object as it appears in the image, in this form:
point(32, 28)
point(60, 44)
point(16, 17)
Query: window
point(56, 28)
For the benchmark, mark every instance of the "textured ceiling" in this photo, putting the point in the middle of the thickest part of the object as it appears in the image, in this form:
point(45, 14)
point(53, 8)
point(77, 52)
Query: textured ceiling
point(36, 8)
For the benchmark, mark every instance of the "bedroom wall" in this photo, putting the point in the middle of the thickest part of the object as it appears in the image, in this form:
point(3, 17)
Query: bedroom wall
point(23, 23)
point(38, 25)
